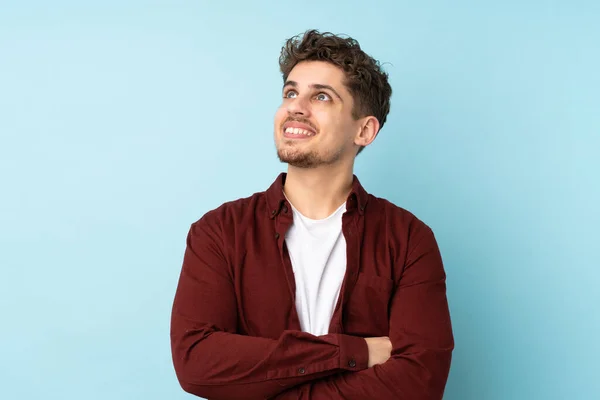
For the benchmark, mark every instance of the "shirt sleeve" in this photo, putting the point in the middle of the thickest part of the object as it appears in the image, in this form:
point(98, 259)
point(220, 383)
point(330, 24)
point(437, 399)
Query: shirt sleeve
point(212, 360)
point(421, 336)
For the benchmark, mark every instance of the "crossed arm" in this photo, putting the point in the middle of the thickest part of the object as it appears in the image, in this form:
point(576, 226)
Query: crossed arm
point(211, 360)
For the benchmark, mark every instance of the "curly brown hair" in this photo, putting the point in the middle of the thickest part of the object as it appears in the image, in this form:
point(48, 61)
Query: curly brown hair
point(366, 81)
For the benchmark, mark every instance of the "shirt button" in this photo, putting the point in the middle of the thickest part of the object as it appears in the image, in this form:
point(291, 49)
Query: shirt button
point(352, 363)
point(277, 235)
point(301, 371)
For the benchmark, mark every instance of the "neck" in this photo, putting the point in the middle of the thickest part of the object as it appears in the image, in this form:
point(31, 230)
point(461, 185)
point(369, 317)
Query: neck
point(318, 192)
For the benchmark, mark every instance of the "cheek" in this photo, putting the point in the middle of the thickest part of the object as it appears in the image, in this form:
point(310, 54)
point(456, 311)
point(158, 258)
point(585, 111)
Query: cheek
point(326, 121)
point(333, 123)
point(278, 121)
point(280, 114)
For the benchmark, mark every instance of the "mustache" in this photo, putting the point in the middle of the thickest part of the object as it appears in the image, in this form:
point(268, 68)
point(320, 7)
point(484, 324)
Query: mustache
point(300, 120)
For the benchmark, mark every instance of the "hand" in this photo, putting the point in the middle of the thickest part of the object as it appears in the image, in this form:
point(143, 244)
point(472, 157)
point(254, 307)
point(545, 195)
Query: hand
point(380, 350)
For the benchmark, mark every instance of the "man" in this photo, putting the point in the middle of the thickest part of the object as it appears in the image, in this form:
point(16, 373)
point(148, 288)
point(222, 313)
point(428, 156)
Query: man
point(315, 289)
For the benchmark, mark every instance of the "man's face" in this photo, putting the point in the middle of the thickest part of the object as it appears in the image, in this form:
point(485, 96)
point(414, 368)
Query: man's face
point(314, 125)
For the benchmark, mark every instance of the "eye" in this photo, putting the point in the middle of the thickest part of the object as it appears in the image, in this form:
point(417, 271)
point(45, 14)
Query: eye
point(323, 97)
point(290, 94)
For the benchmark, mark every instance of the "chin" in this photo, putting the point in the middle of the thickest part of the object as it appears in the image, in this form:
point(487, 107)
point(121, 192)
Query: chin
point(299, 159)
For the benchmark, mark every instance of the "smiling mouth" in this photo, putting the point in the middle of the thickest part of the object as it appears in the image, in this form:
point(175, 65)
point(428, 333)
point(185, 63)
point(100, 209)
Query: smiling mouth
point(297, 132)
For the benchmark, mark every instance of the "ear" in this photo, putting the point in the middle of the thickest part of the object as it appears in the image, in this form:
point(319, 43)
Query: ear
point(369, 128)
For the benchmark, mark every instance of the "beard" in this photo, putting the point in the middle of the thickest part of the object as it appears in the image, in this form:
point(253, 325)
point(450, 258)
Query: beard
point(306, 159)
point(309, 159)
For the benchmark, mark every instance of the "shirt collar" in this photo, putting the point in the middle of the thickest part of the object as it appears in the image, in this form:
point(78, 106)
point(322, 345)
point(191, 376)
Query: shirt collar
point(276, 199)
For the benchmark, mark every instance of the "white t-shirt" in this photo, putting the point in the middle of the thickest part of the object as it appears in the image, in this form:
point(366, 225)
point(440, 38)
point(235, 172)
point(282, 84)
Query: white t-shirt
point(317, 250)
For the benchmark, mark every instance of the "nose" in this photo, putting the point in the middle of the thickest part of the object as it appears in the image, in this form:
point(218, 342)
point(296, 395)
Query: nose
point(298, 106)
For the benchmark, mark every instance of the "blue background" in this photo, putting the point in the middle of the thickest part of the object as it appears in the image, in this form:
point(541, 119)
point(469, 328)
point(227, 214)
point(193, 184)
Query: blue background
point(123, 122)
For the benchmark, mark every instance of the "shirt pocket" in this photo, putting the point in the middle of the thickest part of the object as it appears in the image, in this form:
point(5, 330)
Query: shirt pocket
point(366, 313)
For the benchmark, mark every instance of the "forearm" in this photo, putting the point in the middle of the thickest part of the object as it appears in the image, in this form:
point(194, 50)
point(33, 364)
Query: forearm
point(223, 365)
point(400, 378)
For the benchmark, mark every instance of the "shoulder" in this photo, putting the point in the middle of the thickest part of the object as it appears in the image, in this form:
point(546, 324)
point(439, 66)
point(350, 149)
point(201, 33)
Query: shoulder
point(396, 217)
point(232, 213)
point(409, 238)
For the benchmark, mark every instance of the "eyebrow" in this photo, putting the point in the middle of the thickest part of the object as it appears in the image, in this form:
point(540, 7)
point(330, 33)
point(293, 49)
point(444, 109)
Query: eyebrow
point(317, 86)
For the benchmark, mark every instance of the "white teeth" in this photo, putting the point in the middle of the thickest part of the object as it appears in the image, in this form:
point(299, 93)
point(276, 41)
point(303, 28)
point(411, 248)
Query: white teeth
point(298, 131)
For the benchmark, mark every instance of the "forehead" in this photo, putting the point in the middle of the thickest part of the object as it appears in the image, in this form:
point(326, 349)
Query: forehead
point(308, 73)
